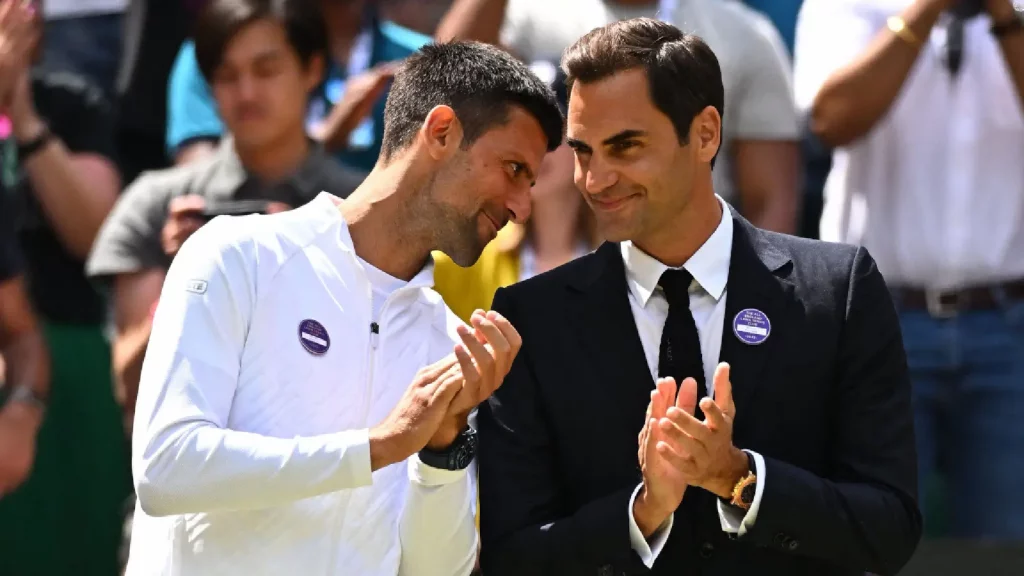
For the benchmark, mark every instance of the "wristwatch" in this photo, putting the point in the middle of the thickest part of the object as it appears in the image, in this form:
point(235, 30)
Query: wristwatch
point(27, 149)
point(457, 456)
point(744, 490)
point(26, 395)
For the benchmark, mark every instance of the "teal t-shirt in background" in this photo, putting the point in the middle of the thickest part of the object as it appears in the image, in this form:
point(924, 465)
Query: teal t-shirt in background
point(192, 111)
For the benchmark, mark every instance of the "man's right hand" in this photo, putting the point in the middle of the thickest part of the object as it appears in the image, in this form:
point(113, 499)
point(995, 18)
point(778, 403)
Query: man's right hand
point(183, 219)
point(419, 413)
point(664, 486)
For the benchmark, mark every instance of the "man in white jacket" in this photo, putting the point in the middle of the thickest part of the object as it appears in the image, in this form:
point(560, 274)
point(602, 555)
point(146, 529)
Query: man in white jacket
point(276, 430)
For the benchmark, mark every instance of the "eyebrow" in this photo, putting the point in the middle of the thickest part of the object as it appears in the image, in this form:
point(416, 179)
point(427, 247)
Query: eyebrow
point(610, 141)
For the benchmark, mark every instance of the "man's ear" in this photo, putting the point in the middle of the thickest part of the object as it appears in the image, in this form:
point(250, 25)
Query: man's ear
point(442, 132)
point(706, 133)
point(314, 72)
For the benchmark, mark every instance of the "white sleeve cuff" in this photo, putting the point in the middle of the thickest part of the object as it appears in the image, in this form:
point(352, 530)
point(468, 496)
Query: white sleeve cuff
point(425, 475)
point(733, 520)
point(648, 551)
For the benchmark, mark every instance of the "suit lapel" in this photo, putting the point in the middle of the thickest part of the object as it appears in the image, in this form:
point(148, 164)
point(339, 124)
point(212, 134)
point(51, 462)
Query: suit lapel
point(598, 309)
point(757, 280)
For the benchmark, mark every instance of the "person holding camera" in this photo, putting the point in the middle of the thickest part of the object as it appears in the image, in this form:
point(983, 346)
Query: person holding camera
point(924, 102)
point(262, 60)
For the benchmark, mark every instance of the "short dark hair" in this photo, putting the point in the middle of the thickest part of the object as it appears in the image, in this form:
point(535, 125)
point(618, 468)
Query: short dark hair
point(683, 74)
point(220, 20)
point(478, 81)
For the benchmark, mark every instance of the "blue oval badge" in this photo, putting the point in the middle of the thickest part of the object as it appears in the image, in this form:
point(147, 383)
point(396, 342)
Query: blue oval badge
point(751, 326)
point(313, 337)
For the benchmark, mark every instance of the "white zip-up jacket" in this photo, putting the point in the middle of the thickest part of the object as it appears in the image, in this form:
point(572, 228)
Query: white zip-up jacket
point(250, 451)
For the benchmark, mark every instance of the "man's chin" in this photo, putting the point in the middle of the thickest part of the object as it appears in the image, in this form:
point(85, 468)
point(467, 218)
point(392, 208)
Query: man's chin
point(466, 257)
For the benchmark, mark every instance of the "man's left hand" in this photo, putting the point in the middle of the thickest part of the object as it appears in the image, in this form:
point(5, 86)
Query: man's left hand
point(703, 452)
point(485, 357)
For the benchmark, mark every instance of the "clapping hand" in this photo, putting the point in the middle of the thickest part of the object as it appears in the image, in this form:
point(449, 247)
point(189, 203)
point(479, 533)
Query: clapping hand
point(485, 356)
point(436, 406)
point(677, 450)
point(702, 452)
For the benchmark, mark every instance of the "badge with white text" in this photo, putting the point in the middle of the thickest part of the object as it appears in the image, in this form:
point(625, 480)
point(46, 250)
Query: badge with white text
point(751, 326)
point(313, 337)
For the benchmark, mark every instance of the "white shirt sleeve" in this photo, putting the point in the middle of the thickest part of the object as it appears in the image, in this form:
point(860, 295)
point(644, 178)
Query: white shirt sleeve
point(184, 459)
point(733, 520)
point(438, 526)
point(765, 108)
point(829, 35)
point(648, 552)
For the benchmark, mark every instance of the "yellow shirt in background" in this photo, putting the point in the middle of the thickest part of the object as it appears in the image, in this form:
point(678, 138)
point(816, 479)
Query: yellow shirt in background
point(467, 289)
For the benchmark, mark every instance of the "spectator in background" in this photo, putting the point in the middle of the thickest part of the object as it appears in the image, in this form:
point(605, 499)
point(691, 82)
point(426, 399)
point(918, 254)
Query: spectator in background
point(346, 113)
point(561, 227)
point(783, 15)
point(57, 159)
point(84, 37)
point(759, 169)
point(24, 384)
point(262, 59)
point(923, 100)
point(154, 31)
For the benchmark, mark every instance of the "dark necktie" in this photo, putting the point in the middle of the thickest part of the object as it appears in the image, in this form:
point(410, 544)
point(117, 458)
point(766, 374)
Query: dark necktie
point(680, 355)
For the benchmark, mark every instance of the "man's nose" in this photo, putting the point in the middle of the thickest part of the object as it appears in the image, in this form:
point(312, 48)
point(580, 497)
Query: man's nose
point(519, 204)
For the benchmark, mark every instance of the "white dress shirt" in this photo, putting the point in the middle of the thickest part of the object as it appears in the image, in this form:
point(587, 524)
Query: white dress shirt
point(710, 269)
point(270, 357)
point(934, 190)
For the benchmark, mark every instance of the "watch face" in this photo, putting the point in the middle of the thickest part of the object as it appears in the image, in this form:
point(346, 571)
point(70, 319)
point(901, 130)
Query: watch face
point(462, 457)
point(747, 495)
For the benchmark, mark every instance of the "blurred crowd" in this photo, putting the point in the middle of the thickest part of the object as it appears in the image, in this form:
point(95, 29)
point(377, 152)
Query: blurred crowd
point(128, 124)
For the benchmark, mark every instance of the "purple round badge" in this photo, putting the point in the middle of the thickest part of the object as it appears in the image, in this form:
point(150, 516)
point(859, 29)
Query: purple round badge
point(751, 326)
point(313, 337)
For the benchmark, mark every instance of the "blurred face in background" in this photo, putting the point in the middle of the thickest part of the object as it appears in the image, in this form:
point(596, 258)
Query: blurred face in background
point(555, 189)
point(262, 86)
point(479, 188)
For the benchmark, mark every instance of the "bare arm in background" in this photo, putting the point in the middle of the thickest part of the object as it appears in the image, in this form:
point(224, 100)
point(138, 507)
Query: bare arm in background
point(27, 365)
point(767, 176)
point(75, 190)
point(1011, 44)
point(473, 20)
point(856, 96)
point(134, 296)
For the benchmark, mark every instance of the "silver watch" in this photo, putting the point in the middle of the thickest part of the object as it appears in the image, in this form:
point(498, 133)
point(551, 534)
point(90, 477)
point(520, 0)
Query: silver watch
point(26, 395)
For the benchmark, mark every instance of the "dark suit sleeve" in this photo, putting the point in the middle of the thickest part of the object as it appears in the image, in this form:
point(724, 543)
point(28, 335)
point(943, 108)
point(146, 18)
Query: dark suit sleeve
point(527, 525)
point(865, 515)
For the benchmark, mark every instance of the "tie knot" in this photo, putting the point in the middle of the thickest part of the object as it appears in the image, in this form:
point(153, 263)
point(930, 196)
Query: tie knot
point(675, 282)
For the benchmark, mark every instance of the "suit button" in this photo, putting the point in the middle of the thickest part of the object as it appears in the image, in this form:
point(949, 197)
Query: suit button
point(781, 539)
point(793, 545)
point(706, 550)
point(605, 570)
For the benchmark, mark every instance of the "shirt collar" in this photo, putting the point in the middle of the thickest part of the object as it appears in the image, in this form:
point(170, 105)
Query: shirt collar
point(709, 265)
point(328, 204)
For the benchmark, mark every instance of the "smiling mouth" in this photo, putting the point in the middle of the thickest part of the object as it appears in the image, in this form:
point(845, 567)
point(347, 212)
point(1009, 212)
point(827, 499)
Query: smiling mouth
point(613, 204)
point(494, 222)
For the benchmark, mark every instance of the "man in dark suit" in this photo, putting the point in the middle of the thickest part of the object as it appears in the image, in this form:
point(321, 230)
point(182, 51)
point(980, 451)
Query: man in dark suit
point(587, 467)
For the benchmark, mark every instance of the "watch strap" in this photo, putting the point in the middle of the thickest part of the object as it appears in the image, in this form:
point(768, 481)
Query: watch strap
point(457, 456)
point(31, 147)
point(26, 395)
